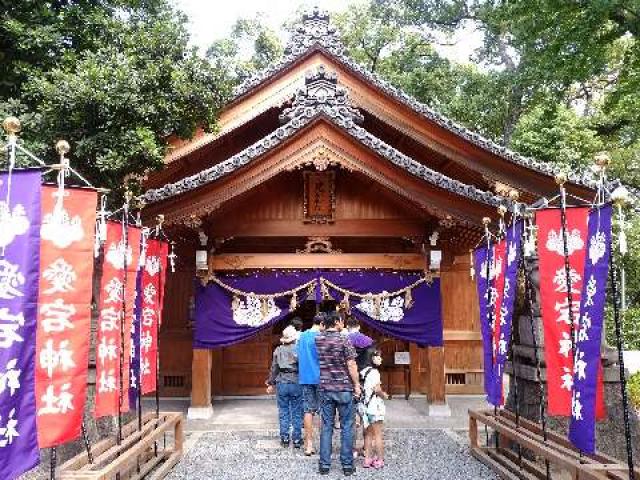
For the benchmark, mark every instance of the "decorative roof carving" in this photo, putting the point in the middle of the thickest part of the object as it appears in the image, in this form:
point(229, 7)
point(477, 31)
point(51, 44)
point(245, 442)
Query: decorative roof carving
point(322, 93)
point(321, 97)
point(316, 32)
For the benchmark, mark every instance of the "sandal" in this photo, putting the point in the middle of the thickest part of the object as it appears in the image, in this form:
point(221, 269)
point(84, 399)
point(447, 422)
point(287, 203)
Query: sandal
point(308, 453)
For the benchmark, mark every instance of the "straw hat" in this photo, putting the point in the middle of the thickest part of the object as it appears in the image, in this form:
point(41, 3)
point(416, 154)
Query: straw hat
point(289, 335)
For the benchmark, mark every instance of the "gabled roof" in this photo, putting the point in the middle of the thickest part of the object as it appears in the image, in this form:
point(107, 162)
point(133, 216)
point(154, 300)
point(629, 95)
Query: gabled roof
point(316, 33)
point(321, 97)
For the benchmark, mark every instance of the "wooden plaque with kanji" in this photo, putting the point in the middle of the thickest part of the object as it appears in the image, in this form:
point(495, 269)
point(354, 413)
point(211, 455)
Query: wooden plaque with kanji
point(319, 197)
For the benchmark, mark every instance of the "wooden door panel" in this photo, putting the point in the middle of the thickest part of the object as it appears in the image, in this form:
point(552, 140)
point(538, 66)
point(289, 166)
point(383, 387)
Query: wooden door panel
point(245, 367)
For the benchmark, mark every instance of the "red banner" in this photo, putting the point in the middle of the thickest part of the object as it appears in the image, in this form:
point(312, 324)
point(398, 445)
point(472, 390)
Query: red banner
point(152, 290)
point(117, 297)
point(557, 314)
point(499, 271)
point(64, 314)
point(499, 268)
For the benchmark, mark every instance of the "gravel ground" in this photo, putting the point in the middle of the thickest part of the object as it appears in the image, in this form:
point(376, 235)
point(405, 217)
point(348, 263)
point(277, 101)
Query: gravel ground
point(410, 454)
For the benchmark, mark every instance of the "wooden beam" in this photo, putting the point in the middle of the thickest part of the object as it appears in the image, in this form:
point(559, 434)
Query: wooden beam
point(339, 228)
point(395, 261)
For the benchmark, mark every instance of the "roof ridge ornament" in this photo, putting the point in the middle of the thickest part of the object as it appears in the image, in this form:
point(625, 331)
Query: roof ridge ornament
point(321, 93)
point(315, 29)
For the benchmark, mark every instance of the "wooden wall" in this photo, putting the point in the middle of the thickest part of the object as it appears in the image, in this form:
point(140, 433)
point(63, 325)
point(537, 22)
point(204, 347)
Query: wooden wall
point(461, 318)
point(176, 334)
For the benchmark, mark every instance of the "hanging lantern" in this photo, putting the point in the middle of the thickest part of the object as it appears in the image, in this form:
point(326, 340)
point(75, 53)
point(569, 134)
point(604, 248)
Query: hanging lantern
point(294, 302)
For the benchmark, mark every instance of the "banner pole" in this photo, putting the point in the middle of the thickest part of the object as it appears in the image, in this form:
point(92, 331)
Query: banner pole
point(528, 295)
point(87, 445)
point(125, 237)
point(53, 463)
point(623, 379)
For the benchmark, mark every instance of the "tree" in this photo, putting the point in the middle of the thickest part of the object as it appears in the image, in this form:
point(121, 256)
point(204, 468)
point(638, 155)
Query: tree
point(116, 90)
point(251, 47)
point(377, 37)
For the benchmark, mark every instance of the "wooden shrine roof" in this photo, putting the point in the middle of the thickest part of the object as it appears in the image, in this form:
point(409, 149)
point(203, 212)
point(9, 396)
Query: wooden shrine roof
point(322, 99)
point(316, 36)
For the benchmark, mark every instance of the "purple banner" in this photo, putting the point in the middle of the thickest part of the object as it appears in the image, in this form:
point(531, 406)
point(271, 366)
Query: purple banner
point(19, 276)
point(587, 368)
point(482, 257)
point(218, 324)
point(513, 244)
point(134, 366)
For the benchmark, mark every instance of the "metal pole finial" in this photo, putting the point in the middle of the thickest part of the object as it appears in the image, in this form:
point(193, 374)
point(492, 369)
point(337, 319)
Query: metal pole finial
point(62, 147)
point(561, 178)
point(602, 159)
point(12, 125)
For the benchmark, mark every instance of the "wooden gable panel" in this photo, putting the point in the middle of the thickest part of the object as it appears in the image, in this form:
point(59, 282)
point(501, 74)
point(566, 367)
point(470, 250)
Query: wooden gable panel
point(299, 150)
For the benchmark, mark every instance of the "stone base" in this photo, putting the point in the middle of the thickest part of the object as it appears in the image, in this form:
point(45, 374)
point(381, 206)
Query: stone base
point(439, 410)
point(200, 413)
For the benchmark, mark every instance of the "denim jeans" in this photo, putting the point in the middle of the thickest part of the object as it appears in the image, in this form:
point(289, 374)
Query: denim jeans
point(329, 403)
point(290, 410)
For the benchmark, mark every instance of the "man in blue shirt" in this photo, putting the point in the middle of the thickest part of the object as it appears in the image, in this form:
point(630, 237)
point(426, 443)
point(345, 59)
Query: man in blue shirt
point(309, 378)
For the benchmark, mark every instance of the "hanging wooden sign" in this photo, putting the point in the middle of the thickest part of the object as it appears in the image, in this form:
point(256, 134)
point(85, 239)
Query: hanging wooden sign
point(319, 197)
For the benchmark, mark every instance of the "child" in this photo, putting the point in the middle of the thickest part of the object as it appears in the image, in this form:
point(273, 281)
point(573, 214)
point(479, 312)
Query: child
point(372, 410)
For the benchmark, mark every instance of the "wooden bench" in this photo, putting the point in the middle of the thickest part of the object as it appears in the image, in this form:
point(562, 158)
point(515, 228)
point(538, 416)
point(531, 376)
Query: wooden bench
point(141, 454)
point(563, 458)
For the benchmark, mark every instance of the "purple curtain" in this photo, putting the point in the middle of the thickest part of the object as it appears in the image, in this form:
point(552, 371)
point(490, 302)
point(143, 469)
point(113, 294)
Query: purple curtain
point(215, 325)
point(19, 276)
point(421, 323)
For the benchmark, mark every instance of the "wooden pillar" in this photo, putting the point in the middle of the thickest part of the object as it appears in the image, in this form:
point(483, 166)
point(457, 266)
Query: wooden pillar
point(201, 407)
point(436, 383)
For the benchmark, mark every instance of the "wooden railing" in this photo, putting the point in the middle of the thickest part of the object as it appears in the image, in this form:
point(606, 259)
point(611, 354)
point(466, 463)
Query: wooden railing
point(520, 452)
point(142, 454)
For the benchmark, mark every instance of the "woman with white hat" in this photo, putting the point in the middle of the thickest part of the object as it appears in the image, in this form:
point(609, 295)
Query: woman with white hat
point(284, 375)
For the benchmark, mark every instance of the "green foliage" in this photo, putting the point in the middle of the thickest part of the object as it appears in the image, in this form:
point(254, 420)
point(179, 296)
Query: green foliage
point(634, 389)
point(555, 133)
point(114, 78)
point(250, 48)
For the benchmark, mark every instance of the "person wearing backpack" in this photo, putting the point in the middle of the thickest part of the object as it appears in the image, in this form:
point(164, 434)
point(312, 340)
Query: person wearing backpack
point(372, 409)
point(363, 345)
point(284, 375)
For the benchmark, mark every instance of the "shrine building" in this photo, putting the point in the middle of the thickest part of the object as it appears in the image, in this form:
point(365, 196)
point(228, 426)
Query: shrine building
point(320, 164)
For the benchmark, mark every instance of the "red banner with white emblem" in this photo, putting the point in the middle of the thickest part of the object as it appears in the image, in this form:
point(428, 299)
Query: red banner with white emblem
point(557, 314)
point(116, 306)
point(152, 290)
point(500, 268)
point(64, 314)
